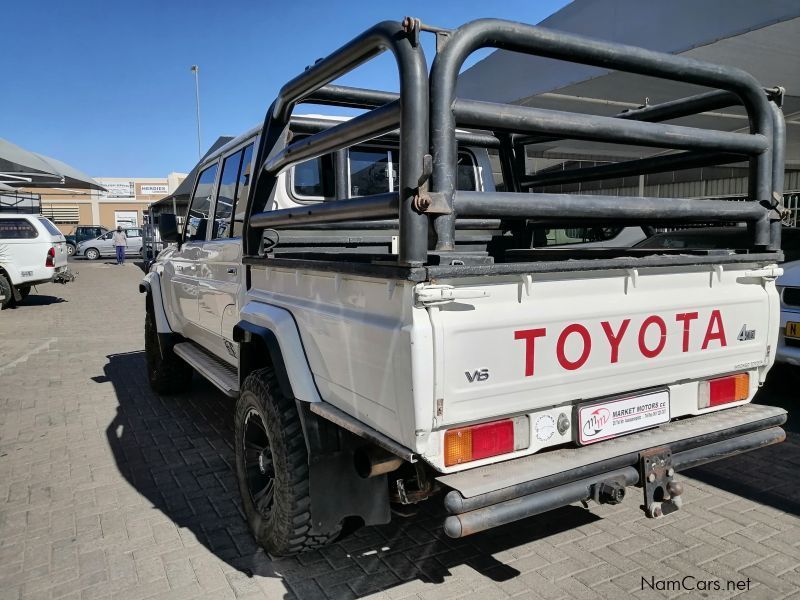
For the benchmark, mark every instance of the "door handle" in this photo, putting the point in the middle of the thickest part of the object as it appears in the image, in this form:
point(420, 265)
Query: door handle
point(232, 270)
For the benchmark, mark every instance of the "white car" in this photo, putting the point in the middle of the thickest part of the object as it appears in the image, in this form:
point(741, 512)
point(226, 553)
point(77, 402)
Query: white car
point(104, 245)
point(789, 339)
point(32, 251)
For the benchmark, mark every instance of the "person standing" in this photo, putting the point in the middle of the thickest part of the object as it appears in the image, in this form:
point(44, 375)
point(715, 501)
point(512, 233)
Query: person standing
point(120, 241)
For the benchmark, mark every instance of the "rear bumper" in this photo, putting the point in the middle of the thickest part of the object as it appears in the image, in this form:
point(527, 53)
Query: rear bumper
point(498, 494)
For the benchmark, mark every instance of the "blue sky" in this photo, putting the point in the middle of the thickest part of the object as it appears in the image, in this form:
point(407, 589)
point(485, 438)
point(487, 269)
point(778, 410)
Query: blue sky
point(106, 86)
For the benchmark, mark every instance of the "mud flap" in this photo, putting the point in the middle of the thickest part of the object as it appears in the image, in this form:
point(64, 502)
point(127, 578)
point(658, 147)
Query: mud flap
point(337, 490)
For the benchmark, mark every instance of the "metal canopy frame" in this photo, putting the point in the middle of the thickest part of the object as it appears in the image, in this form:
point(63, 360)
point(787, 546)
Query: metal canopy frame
point(426, 114)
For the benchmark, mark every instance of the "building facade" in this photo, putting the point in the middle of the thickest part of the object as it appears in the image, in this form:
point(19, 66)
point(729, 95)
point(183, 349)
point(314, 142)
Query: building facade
point(124, 202)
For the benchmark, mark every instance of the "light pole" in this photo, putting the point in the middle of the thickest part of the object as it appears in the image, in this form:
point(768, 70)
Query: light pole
point(196, 70)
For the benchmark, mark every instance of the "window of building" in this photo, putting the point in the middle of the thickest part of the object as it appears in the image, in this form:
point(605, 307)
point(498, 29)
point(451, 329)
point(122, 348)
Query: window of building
point(17, 229)
point(226, 195)
point(197, 219)
point(63, 214)
point(242, 190)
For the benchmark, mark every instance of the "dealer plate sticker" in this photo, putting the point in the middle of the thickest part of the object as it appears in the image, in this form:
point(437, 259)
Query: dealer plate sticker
point(604, 420)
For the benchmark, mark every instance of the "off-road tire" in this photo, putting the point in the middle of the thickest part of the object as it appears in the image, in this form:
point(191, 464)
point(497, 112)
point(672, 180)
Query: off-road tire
point(92, 254)
point(167, 374)
point(6, 291)
point(286, 529)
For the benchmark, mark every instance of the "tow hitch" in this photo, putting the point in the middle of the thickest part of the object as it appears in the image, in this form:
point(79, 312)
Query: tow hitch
point(662, 495)
point(64, 276)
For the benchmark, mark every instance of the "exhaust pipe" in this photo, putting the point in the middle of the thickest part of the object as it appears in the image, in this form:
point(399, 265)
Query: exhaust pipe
point(373, 461)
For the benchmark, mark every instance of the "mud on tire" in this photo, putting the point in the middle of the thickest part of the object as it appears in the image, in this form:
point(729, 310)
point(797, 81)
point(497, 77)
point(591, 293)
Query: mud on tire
point(272, 468)
point(168, 374)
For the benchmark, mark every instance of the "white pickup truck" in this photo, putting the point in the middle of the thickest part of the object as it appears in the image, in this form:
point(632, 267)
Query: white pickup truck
point(391, 332)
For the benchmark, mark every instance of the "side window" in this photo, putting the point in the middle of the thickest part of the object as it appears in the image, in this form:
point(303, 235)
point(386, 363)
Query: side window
point(51, 229)
point(197, 219)
point(242, 190)
point(133, 233)
point(226, 195)
point(16, 229)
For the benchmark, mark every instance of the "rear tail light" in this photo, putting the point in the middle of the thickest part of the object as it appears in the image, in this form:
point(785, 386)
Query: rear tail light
point(466, 444)
point(51, 257)
point(723, 390)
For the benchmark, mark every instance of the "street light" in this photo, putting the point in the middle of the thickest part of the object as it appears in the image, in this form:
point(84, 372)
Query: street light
point(196, 70)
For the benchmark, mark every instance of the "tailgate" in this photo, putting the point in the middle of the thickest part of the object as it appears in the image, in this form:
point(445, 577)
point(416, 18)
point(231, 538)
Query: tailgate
point(543, 340)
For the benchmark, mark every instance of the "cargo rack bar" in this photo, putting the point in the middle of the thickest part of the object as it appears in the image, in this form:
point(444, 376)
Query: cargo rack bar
point(428, 120)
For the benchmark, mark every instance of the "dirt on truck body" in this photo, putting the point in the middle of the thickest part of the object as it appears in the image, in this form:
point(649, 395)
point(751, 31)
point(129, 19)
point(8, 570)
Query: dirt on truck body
point(392, 333)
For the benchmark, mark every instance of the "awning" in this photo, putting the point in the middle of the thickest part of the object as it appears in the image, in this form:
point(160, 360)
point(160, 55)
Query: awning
point(22, 168)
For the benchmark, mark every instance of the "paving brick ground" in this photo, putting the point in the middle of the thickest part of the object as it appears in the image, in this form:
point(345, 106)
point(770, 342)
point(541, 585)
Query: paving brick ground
point(109, 491)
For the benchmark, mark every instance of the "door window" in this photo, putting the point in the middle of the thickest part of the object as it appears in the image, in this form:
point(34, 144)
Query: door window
point(226, 195)
point(242, 190)
point(197, 219)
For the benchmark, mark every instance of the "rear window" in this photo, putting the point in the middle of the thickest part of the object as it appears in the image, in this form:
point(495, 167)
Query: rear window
point(372, 170)
point(17, 229)
point(52, 229)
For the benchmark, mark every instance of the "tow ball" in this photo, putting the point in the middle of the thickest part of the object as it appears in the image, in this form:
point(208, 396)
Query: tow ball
point(662, 494)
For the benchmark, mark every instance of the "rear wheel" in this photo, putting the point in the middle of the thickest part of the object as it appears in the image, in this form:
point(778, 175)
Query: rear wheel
point(92, 254)
point(6, 292)
point(272, 468)
point(167, 373)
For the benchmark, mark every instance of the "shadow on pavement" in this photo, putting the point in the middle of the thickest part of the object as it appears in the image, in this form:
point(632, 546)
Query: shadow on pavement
point(177, 452)
point(35, 299)
point(769, 475)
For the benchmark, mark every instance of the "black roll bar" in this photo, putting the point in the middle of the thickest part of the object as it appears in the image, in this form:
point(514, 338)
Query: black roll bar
point(604, 208)
point(528, 39)
point(412, 68)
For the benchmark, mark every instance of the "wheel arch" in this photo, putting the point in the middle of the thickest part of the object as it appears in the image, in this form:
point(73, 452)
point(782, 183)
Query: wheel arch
point(268, 337)
point(151, 286)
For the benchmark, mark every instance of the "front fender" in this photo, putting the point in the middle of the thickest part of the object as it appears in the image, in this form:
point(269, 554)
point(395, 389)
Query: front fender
point(151, 285)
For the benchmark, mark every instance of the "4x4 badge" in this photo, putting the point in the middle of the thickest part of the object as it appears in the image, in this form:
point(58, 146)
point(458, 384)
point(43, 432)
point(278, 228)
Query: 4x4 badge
point(746, 334)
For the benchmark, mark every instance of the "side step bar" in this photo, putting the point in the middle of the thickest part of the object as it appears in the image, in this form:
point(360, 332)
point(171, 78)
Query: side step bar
point(217, 371)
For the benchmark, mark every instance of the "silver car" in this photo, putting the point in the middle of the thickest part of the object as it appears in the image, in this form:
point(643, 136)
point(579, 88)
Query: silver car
point(104, 245)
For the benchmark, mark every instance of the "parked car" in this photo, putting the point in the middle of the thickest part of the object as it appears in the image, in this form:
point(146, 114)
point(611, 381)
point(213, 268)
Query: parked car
point(104, 244)
point(32, 251)
point(789, 337)
point(82, 233)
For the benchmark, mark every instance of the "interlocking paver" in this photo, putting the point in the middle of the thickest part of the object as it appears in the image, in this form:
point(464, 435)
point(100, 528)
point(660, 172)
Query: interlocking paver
point(109, 491)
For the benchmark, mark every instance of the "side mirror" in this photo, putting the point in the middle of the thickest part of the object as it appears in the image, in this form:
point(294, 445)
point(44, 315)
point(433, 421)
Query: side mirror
point(168, 228)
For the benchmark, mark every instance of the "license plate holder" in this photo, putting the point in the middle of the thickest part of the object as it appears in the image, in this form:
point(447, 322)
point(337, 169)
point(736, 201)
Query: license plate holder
point(605, 419)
